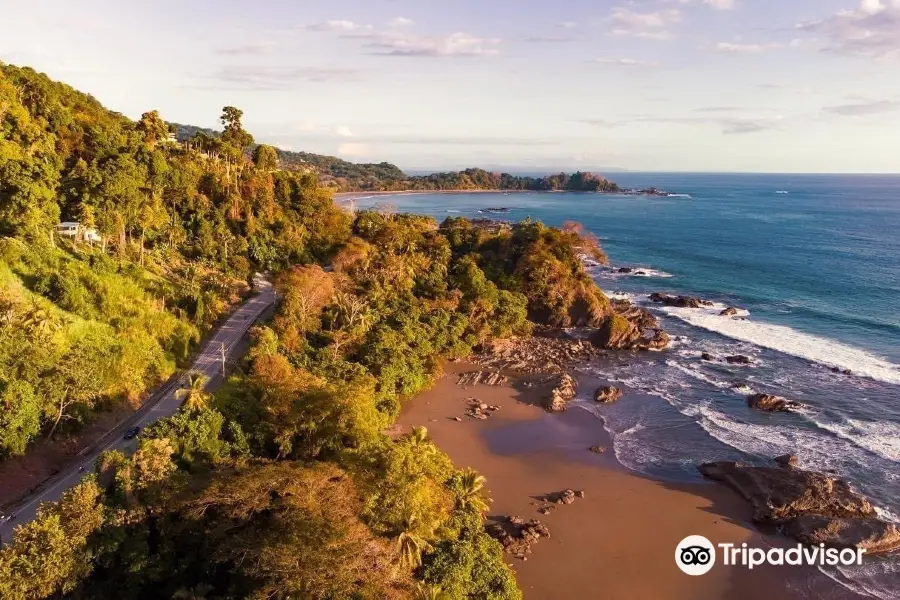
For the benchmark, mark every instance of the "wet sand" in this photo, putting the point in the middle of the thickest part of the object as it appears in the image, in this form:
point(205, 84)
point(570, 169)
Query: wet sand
point(617, 542)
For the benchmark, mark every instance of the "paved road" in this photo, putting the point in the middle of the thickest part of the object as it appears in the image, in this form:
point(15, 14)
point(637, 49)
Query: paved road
point(163, 403)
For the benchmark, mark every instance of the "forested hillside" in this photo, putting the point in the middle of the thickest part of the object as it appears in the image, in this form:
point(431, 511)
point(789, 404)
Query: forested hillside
point(178, 231)
point(285, 484)
point(343, 176)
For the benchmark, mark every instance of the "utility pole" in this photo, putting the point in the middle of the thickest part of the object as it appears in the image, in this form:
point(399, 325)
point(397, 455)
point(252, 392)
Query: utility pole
point(223, 359)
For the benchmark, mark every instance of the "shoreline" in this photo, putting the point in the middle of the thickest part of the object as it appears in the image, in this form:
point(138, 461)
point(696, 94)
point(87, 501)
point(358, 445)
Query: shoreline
point(619, 540)
point(345, 195)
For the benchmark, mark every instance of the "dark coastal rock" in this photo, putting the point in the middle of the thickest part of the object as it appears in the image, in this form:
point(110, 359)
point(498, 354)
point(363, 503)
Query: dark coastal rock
point(786, 461)
point(625, 270)
point(640, 272)
point(871, 535)
point(518, 535)
point(549, 351)
point(679, 301)
point(770, 403)
point(739, 359)
point(641, 317)
point(598, 449)
point(607, 394)
point(481, 377)
point(811, 507)
point(778, 494)
point(619, 333)
point(707, 357)
point(729, 312)
point(565, 389)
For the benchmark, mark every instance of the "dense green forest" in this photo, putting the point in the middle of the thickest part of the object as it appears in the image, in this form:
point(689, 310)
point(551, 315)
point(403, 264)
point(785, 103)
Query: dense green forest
point(92, 322)
point(344, 176)
point(284, 484)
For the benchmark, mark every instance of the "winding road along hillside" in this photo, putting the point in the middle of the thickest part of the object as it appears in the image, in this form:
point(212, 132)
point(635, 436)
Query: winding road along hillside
point(164, 403)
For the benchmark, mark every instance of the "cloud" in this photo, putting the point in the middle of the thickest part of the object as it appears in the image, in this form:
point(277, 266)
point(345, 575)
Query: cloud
point(861, 109)
point(338, 25)
point(650, 25)
point(567, 25)
point(728, 125)
point(547, 39)
point(455, 44)
point(278, 78)
point(870, 31)
point(246, 49)
point(461, 141)
point(343, 131)
point(717, 109)
point(402, 22)
point(354, 149)
point(720, 4)
point(626, 62)
point(735, 48)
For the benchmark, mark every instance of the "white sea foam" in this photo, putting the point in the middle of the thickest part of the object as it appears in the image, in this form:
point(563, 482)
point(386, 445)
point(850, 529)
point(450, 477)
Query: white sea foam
point(688, 196)
point(790, 341)
point(646, 272)
point(882, 438)
point(871, 579)
point(782, 192)
point(701, 376)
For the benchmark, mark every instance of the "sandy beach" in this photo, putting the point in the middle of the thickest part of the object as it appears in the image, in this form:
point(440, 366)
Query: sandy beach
point(617, 542)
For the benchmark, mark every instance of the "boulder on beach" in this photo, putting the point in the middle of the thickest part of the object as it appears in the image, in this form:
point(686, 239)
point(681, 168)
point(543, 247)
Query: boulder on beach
point(679, 301)
point(607, 394)
point(739, 359)
point(770, 403)
point(565, 389)
point(598, 449)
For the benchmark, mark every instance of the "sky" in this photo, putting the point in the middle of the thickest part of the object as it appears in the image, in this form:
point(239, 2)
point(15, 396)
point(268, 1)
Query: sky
point(652, 85)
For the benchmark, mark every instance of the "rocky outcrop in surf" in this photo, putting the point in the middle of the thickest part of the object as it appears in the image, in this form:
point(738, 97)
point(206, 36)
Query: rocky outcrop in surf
point(770, 403)
point(679, 301)
point(873, 535)
point(811, 507)
point(731, 311)
point(619, 333)
point(607, 394)
point(739, 359)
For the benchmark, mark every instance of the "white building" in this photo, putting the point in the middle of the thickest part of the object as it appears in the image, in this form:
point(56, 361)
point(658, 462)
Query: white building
point(68, 229)
point(74, 230)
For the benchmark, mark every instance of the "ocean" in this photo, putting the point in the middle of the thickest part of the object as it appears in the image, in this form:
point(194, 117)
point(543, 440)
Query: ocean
point(813, 261)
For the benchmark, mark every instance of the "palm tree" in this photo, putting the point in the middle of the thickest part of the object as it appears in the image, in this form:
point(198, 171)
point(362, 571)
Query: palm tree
point(419, 436)
point(195, 395)
point(411, 546)
point(40, 320)
point(470, 496)
point(425, 591)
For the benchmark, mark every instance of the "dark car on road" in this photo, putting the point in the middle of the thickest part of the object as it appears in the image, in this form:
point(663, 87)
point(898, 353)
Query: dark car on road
point(132, 432)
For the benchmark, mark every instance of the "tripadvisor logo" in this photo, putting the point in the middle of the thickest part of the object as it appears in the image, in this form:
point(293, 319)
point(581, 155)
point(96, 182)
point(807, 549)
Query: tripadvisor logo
point(696, 555)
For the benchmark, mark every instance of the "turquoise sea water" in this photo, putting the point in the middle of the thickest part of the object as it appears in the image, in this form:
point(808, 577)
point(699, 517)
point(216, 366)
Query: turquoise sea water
point(815, 260)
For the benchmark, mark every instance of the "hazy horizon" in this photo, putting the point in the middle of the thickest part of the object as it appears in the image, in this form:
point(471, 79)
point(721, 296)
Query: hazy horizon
point(642, 85)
